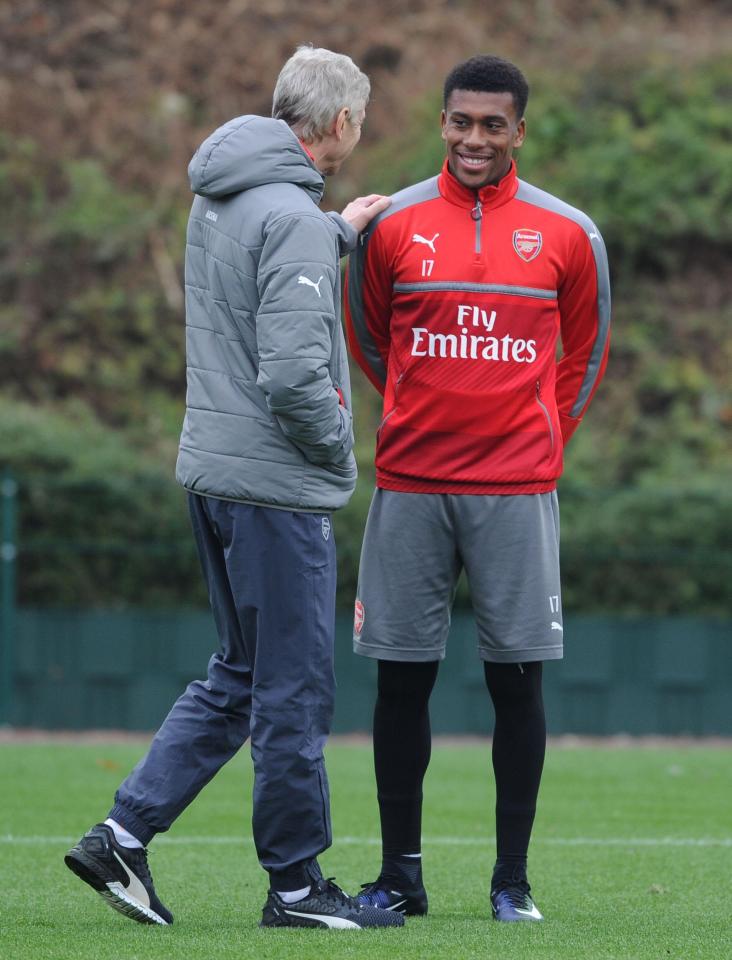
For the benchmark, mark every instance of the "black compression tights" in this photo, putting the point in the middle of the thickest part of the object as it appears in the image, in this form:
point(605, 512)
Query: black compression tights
point(519, 743)
point(402, 743)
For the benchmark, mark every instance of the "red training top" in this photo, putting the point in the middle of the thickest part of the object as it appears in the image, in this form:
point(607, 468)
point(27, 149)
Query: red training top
point(455, 302)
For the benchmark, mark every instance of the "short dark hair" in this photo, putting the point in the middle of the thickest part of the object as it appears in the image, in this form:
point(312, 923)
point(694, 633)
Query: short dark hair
point(487, 74)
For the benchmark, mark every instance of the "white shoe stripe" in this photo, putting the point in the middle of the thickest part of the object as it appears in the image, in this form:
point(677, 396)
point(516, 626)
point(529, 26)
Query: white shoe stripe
point(533, 913)
point(135, 888)
point(335, 923)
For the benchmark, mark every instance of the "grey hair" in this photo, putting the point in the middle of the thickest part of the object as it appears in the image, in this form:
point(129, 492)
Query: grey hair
point(313, 86)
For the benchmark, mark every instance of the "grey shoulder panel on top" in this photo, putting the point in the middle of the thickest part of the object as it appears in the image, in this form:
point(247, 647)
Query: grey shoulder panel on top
point(417, 193)
point(540, 198)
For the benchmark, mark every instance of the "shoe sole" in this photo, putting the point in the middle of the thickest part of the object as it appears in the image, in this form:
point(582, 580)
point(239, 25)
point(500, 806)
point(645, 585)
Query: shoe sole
point(311, 922)
point(337, 923)
point(113, 894)
point(518, 919)
point(317, 925)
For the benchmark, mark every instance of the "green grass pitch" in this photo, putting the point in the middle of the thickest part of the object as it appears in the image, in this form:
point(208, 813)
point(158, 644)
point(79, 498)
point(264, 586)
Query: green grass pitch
point(631, 860)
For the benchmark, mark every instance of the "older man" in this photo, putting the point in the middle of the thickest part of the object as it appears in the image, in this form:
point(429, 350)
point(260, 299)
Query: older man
point(265, 455)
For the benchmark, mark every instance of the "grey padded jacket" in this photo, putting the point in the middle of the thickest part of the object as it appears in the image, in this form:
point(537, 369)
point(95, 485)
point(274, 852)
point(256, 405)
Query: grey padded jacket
point(268, 403)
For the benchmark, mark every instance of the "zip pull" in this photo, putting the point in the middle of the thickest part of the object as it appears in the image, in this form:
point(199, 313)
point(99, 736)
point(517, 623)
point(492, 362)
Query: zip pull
point(477, 215)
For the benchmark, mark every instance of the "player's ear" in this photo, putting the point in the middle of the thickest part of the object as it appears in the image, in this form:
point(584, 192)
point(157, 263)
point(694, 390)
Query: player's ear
point(520, 134)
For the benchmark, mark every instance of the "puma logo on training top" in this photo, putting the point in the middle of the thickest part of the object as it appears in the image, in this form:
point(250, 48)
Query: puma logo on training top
point(315, 286)
point(430, 243)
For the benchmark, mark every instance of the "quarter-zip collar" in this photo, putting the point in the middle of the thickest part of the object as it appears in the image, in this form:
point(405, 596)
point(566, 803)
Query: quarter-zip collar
point(490, 197)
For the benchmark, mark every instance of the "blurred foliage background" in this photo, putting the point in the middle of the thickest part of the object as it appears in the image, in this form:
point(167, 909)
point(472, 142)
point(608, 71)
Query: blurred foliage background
point(103, 103)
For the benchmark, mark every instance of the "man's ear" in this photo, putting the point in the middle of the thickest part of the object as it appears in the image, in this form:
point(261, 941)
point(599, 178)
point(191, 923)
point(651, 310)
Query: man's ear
point(340, 122)
point(443, 121)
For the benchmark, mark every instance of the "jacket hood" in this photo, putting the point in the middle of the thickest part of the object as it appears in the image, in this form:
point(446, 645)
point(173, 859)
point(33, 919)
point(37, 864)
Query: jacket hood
point(248, 152)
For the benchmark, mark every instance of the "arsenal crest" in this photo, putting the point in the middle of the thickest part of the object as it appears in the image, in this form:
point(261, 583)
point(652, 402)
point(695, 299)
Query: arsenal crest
point(359, 617)
point(527, 243)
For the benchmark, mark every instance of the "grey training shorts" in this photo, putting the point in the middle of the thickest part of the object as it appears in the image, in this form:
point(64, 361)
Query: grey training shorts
point(414, 549)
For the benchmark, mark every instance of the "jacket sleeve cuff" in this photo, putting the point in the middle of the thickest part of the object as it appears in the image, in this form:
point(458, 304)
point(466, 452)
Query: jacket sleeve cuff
point(347, 234)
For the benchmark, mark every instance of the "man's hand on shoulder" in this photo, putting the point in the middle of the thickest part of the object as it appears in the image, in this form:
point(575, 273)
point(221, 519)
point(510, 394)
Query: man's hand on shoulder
point(361, 211)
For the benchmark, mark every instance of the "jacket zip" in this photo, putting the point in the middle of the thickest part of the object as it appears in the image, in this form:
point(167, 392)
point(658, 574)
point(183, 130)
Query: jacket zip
point(393, 409)
point(477, 214)
point(546, 412)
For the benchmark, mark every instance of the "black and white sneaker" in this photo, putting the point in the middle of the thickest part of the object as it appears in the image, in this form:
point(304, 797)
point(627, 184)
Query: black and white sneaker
point(512, 903)
point(394, 896)
point(120, 875)
point(326, 907)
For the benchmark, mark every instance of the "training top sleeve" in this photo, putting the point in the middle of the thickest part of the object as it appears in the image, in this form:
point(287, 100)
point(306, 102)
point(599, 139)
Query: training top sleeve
point(584, 309)
point(368, 306)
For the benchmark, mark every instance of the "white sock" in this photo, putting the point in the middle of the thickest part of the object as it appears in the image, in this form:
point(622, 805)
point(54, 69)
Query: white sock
point(292, 896)
point(123, 837)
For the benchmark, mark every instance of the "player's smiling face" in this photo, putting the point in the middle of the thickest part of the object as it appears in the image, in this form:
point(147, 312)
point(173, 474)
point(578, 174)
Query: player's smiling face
point(481, 131)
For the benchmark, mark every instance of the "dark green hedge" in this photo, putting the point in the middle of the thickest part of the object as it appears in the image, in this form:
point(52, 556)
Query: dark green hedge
point(102, 524)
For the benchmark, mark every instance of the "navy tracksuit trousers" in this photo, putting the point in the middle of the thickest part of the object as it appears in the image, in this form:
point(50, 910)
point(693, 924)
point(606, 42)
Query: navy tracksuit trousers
point(271, 578)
